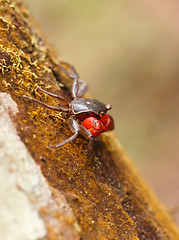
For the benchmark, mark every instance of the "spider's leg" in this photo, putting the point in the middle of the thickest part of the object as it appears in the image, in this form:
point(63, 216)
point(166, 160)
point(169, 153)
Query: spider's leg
point(83, 87)
point(79, 85)
point(73, 70)
point(74, 126)
point(70, 139)
point(53, 95)
point(48, 106)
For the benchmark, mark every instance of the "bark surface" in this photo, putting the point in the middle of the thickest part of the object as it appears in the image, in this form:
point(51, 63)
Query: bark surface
point(51, 193)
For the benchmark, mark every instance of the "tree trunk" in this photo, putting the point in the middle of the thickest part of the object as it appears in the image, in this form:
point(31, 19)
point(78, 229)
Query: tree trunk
point(49, 193)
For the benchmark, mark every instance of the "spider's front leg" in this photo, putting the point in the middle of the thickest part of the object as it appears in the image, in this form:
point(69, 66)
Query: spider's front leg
point(74, 127)
point(78, 129)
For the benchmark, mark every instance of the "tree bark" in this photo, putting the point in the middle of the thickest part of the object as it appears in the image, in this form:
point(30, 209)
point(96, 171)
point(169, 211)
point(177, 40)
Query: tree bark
point(51, 193)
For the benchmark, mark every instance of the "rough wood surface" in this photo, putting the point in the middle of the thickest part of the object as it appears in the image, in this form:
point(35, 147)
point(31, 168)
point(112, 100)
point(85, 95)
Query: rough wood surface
point(51, 193)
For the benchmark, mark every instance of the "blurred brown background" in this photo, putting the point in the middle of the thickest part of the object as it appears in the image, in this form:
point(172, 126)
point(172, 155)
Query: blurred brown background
point(128, 52)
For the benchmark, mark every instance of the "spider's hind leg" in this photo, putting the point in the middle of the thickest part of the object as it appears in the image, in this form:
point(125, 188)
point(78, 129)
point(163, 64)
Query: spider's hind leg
point(48, 106)
point(79, 87)
point(53, 95)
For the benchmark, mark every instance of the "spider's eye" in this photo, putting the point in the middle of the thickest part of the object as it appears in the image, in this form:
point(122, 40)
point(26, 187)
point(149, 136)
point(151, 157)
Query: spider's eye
point(101, 114)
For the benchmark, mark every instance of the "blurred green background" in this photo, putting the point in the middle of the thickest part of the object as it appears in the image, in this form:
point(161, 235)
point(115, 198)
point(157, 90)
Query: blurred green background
point(128, 53)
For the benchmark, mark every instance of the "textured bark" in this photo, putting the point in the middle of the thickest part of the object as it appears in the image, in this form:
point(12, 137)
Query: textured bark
point(51, 193)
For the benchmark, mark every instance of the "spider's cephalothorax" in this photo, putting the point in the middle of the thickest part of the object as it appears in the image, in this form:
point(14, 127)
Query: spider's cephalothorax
point(87, 116)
